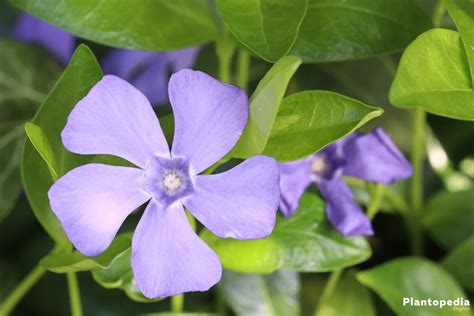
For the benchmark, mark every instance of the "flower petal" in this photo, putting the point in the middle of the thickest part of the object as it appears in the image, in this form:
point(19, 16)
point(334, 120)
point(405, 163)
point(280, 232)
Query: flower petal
point(30, 29)
point(374, 157)
point(341, 209)
point(117, 119)
point(240, 203)
point(295, 177)
point(209, 117)
point(93, 200)
point(168, 258)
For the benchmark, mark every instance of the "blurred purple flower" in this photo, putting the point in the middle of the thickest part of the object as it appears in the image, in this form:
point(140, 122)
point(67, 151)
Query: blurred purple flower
point(370, 157)
point(92, 201)
point(30, 29)
point(149, 71)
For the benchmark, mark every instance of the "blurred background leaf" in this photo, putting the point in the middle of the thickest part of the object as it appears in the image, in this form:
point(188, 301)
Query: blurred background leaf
point(459, 263)
point(348, 298)
point(275, 294)
point(449, 217)
point(417, 278)
point(26, 75)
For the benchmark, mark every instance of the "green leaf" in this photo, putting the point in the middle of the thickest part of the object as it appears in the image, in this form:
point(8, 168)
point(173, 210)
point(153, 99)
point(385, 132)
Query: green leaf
point(335, 30)
point(74, 261)
point(449, 217)
point(267, 27)
point(459, 263)
point(26, 74)
point(348, 298)
point(145, 24)
point(323, 30)
point(80, 75)
point(462, 12)
point(304, 242)
point(119, 275)
point(41, 143)
point(308, 121)
point(417, 278)
point(250, 294)
point(263, 107)
point(434, 74)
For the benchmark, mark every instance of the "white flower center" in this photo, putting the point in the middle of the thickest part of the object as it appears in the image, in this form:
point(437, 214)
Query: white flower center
point(172, 181)
point(319, 165)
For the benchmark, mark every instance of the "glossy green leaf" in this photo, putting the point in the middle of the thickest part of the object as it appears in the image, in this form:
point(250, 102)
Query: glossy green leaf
point(26, 74)
point(335, 30)
point(267, 27)
point(460, 263)
point(308, 121)
point(323, 30)
point(119, 275)
point(417, 278)
point(41, 143)
point(449, 217)
point(434, 74)
point(145, 24)
point(263, 107)
point(80, 75)
point(275, 294)
point(462, 12)
point(348, 298)
point(74, 261)
point(304, 242)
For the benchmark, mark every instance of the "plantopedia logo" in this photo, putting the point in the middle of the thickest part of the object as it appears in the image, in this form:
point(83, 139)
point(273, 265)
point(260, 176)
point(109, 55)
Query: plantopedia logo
point(459, 304)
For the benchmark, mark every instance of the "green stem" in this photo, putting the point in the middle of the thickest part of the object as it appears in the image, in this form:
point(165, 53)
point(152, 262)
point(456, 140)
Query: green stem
point(328, 288)
point(376, 200)
point(74, 294)
point(395, 199)
point(20, 291)
point(225, 48)
point(177, 303)
point(438, 14)
point(243, 65)
point(417, 157)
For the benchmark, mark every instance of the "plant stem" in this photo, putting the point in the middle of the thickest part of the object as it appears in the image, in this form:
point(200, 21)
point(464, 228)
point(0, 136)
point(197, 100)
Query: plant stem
point(328, 288)
point(438, 14)
point(19, 292)
point(225, 48)
point(243, 65)
point(376, 200)
point(177, 303)
point(417, 157)
point(74, 294)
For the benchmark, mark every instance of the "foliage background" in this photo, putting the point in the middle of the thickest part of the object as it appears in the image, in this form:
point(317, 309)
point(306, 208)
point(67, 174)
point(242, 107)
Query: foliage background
point(23, 241)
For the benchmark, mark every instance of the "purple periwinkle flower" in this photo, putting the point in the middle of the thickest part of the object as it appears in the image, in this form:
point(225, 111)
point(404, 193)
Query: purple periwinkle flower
point(149, 71)
point(93, 200)
point(30, 29)
point(370, 157)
